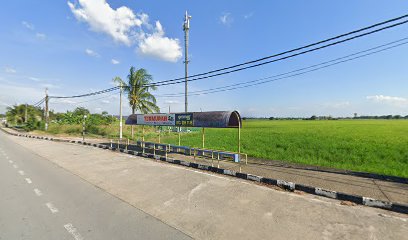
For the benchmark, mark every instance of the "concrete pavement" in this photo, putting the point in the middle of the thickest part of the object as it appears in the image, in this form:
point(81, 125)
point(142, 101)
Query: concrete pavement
point(40, 200)
point(208, 206)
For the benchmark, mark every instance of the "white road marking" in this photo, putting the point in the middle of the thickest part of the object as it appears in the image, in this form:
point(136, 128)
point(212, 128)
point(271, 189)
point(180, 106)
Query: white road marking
point(10, 161)
point(73, 231)
point(37, 192)
point(52, 208)
point(21, 172)
point(7, 157)
point(15, 166)
point(28, 181)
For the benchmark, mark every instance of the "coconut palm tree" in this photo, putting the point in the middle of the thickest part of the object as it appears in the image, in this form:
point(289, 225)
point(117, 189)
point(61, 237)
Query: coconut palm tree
point(138, 90)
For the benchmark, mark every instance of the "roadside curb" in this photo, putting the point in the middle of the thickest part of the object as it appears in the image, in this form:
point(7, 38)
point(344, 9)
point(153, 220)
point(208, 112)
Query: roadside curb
point(285, 185)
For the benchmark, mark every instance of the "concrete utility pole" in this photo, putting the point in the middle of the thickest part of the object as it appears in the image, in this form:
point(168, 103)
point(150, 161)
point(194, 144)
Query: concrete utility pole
point(120, 113)
point(186, 28)
point(83, 129)
point(46, 109)
point(25, 115)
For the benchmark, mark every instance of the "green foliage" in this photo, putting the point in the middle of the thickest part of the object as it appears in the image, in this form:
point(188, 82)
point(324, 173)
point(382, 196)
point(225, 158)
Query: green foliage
point(378, 146)
point(16, 115)
point(77, 117)
point(137, 89)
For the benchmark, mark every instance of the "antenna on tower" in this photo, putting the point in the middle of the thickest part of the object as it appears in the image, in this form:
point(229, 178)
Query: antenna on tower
point(186, 28)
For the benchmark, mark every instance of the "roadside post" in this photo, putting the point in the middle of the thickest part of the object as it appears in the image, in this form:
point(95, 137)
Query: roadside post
point(83, 129)
point(203, 137)
point(159, 133)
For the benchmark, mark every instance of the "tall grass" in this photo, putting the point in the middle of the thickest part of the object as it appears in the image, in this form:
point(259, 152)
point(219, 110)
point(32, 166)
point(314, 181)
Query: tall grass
point(378, 146)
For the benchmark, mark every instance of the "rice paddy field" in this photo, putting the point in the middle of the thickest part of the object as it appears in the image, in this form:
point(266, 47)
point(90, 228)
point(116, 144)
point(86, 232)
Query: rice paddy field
point(377, 146)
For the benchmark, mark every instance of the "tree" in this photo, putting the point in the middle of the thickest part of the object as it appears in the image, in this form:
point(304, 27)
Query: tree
point(17, 115)
point(137, 89)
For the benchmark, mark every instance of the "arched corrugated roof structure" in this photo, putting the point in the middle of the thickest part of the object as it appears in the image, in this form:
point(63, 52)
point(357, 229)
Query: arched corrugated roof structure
point(215, 119)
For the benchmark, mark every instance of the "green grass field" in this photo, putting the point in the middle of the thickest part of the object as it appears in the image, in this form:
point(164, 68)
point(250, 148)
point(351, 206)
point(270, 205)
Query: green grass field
point(378, 146)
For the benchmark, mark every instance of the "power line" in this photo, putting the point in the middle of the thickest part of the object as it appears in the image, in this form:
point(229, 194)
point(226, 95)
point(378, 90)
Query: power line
point(294, 50)
point(39, 102)
point(89, 94)
point(176, 81)
point(301, 70)
point(283, 58)
point(90, 100)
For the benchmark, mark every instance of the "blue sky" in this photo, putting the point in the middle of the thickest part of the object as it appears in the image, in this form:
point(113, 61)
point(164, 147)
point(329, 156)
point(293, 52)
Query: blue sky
point(75, 47)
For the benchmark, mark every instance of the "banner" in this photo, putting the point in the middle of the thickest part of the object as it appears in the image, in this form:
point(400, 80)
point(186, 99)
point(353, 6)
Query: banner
point(184, 120)
point(156, 119)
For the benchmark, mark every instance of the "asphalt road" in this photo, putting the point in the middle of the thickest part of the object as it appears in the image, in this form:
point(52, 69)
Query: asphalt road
point(79, 187)
point(40, 200)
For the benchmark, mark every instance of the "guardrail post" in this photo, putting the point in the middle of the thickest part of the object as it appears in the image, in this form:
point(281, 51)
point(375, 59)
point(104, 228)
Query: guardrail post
point(111, 144)
point(119, 144)
point(159, 134)
point(203, 137)
point(127, 144)
point(154, 149)
point(179, 137)
point(218, 157)
point(143, 133)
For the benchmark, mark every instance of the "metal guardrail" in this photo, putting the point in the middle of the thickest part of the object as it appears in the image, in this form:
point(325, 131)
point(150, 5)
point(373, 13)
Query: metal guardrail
point(220, 156)
point(165, 149)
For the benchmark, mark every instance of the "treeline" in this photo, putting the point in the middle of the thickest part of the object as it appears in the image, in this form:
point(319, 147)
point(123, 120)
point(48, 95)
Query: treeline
point(382, 117)
point(314, 117)
point(32, 118)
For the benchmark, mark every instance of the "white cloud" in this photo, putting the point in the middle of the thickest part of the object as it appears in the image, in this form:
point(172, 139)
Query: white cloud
point(41, 36)
point(396, 101)
point(28, 25)
point(9, 70)
point(50, 86)
point(171, 102)
point(337, 105)
point(248, 15)
point(226, 19)
point(118, 23)
point(158, 46)
point(34, 79)
point(114, 61)
point(91, 53)
point(106, 101)
point(126, 27)
point(66, 101)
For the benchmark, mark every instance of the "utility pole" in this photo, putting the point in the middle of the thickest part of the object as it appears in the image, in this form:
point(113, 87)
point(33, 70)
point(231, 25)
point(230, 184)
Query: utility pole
point(186, 28)
point(46, 109)
point(120, 113)
point(25, 115)
point(83, 129)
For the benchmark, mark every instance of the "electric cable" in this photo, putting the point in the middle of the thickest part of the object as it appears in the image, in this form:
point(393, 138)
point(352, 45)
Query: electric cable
point(301, 70)
point(294, 50)
point(175, 81)
point(279, 59)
